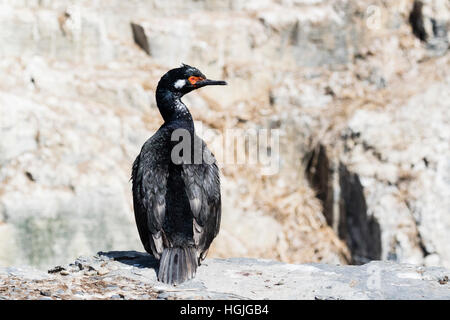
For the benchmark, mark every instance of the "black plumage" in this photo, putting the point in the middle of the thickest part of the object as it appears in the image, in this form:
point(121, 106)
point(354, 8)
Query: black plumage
point(177, 201)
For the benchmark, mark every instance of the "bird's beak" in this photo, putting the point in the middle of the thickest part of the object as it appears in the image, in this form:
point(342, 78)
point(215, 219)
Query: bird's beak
point(208, 82)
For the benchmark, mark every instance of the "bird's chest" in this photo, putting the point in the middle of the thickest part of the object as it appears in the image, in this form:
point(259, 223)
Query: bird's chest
point(174, 180)
point(176, 191)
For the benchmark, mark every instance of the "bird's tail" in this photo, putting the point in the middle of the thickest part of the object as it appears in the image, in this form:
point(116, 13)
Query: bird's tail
point(177, 265)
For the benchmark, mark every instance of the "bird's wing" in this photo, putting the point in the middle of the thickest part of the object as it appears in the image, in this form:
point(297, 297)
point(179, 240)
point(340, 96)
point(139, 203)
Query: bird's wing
point(202, 185)
point(149, 175)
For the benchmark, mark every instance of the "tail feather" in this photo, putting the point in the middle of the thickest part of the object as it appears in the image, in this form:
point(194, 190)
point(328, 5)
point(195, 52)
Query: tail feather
point(177, 265)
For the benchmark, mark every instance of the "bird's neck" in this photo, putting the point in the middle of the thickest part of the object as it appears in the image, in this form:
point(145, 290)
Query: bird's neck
point(171, 107)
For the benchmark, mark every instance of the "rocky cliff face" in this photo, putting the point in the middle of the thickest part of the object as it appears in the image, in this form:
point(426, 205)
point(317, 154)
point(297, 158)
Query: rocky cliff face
point(357, 89)
point(131, 275)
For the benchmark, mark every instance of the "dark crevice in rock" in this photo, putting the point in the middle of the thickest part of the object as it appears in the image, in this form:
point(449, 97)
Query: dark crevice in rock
point(429, 29)
point(319, 176)
point(347, 213)
point(361, 232)
point(422, 246)
point(421, 243)
point(416, 21)
point(140, 38)
point(30, 176)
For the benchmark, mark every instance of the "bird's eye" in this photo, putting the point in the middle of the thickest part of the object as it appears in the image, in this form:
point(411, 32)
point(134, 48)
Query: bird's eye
point(194, 80)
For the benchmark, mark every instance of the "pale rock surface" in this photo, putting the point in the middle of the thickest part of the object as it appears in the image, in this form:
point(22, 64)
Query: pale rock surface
point(402, 157)
point(131, 275)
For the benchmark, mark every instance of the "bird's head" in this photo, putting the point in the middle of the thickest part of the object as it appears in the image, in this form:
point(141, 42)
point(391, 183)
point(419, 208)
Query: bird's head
point(185, 79)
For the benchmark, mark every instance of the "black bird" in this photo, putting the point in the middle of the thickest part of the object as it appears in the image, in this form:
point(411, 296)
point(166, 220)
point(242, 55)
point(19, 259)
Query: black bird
point(177, 202)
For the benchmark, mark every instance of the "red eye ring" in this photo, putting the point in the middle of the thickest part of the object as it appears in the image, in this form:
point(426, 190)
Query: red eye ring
point(193, 80)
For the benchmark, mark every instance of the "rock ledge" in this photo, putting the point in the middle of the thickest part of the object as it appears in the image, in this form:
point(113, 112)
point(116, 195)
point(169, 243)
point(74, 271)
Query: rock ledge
point(131, 275)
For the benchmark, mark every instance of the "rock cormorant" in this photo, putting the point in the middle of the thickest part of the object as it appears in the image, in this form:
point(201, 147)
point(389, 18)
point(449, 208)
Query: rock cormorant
point(176, 197)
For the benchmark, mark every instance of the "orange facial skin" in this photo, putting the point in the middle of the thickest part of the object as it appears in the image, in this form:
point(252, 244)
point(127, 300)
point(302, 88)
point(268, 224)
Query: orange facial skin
point(193, 80)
